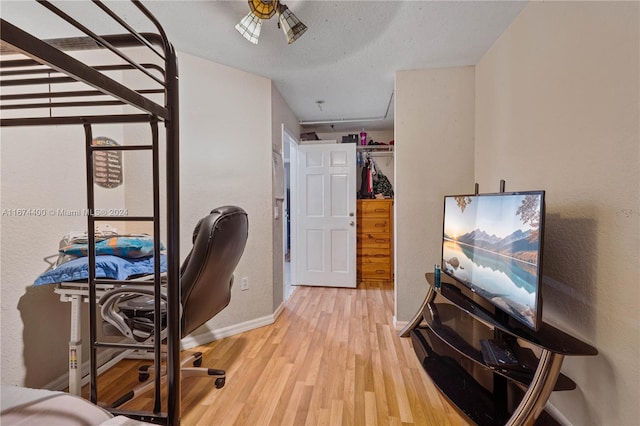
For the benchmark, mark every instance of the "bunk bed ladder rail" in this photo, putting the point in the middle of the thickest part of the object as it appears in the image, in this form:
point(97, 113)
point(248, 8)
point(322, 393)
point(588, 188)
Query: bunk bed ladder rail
point(92, 218)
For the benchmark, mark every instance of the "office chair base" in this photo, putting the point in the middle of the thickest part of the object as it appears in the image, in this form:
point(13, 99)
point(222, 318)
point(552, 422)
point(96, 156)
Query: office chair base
point(219, 376)
point(144, 373)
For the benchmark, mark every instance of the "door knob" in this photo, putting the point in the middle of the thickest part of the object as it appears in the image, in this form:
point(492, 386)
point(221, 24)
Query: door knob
point(352, 223)
point(351, 214)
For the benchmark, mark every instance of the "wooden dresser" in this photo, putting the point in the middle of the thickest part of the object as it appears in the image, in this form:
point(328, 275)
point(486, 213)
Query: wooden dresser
point(375, 239)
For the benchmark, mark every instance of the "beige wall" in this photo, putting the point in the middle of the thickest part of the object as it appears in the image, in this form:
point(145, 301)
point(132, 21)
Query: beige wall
point(225, 158)
point(42, 168)
point(557, 109)
point(229, 121)
point(434, 125)
point(39, 171)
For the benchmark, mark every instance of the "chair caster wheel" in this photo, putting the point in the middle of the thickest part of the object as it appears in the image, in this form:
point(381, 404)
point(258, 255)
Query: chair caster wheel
point(197, 362)
point(143, 374)
point(220, 382)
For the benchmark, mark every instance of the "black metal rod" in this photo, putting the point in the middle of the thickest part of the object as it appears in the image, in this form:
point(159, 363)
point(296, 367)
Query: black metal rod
point(99, 39)
point(157, 317)
point(67, 94)
point(168, 48)
point(91, 257)
point(58, 121)
point(61, 105)
point(173, 238)
point(45, 95)
point(117, 67)
point(134, 346)
point(35, 81)
point(121, 147)
point(143, 416)
point(126, 26)
point(17, 63)
point(137, 283)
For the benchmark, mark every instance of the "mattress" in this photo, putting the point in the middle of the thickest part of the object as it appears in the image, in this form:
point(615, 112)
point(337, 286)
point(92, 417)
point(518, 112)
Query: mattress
point(29, 407)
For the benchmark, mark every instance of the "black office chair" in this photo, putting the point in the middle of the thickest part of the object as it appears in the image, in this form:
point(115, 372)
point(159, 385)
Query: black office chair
point(206, 277)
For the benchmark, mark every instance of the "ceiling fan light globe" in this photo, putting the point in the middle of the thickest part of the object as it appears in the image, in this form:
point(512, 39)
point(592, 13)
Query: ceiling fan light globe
point(250, 27)
point(290, 24)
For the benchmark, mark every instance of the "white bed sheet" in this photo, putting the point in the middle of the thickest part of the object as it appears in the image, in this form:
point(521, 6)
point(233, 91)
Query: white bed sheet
point(34, 407)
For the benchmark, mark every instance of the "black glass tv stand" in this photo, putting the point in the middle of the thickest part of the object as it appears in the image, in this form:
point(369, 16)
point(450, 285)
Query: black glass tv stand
point(446, 334)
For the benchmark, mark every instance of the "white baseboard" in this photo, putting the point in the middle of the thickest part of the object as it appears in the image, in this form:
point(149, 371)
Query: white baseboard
point(110, 357)
point(106, 359)
point(557, 415)
point(220, 333)
point(399, 325)
point(278, 311)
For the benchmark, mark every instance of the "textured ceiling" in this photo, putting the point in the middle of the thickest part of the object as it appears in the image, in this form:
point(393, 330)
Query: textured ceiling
point(347, 58)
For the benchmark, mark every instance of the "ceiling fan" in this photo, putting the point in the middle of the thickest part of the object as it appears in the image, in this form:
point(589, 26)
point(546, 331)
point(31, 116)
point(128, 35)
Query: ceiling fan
point(251, 24)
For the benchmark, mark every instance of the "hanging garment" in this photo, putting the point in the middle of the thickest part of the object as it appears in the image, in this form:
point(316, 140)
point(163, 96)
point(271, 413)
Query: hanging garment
point(364, 184)
point(382, 185)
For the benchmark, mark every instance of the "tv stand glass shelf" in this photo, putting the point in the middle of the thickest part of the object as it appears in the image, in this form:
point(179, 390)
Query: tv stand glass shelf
point(446, 334)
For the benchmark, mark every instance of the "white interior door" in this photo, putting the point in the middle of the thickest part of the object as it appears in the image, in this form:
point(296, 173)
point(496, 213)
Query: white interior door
point(326, 219)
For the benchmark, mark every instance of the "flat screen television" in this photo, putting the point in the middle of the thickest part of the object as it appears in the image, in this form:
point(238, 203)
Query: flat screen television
point(492, 244)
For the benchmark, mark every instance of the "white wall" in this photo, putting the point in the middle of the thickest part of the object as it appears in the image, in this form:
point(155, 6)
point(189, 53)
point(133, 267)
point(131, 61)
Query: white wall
point(42, 168)
point(434, 125)
point(558, 109)
point(225, 158)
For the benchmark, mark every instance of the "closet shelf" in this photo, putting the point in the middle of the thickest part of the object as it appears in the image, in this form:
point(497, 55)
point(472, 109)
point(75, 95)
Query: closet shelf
point(375, 148)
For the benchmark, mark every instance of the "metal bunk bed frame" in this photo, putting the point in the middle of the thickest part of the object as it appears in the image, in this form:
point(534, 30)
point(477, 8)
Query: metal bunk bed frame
point(50, 54)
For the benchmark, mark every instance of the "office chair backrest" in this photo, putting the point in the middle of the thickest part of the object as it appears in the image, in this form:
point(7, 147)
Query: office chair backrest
point(219, 240)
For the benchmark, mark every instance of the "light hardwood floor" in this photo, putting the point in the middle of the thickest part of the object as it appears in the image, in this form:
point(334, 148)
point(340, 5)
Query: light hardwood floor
point(333, 357)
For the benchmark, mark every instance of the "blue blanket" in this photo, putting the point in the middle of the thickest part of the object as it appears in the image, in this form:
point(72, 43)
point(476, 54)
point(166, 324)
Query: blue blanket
point(122, 246)
point(113, 267)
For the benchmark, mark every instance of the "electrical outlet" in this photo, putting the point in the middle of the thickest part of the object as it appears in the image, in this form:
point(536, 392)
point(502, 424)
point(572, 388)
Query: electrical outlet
point(244, 283)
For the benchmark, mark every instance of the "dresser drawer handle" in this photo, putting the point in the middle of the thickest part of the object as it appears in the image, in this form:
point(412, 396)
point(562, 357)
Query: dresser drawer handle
point(380, 255)
point(381, 241)
point(381, 225)
point(380, 271)
point(380, 210)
